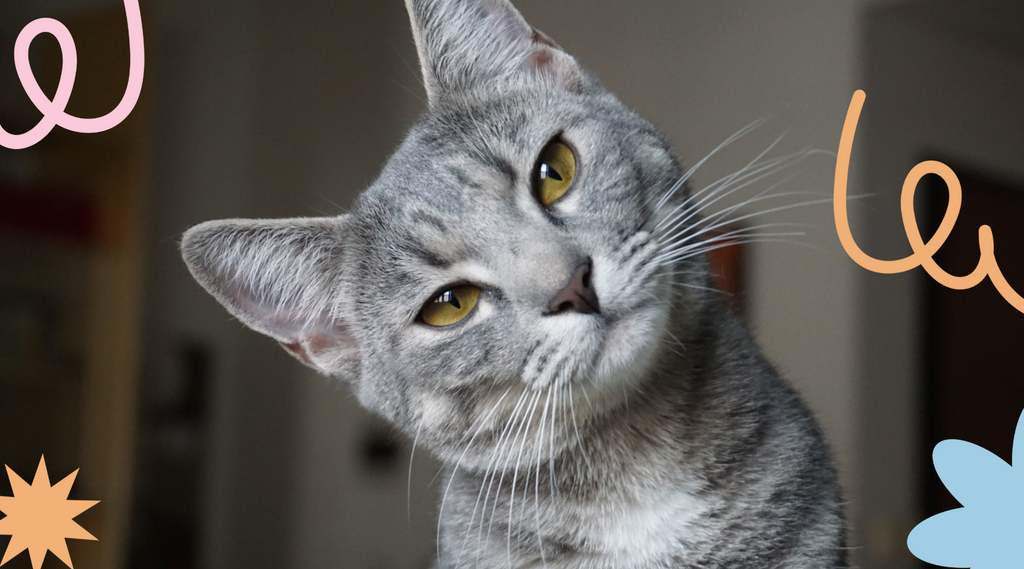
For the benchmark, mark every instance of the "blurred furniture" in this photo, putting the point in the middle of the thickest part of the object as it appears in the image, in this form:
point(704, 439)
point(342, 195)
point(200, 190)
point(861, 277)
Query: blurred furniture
point(70, 281)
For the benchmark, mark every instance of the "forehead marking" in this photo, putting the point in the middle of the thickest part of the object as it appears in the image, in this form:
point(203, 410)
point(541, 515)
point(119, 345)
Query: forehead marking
point(463, 178)
point(420, 217)
point(501, 165)
point(427, 256)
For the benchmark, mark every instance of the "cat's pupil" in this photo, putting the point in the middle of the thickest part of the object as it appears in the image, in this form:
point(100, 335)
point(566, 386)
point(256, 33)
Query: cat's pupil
point(450, 298)
point(549, 172)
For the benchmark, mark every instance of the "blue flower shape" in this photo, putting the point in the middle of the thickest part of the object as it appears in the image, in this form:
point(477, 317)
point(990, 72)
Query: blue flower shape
point(988, 532)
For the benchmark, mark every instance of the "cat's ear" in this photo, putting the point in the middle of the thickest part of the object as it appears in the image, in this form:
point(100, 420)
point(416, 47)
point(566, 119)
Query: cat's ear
point(464, 44)
point(279, 278)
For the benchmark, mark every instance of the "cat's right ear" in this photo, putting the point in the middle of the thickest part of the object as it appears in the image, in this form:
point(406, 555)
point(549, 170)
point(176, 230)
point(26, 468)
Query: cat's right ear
point(279, 277)
point(468, 44)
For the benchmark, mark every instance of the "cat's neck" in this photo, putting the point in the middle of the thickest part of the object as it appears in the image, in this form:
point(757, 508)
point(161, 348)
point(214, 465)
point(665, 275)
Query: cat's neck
point(658, 432)
point(644, 470)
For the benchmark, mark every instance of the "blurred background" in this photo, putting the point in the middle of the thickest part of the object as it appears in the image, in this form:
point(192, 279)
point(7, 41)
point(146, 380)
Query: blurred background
point(210, 447)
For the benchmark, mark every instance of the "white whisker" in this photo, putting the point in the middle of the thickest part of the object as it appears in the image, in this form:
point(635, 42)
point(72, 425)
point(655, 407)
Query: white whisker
point(725, 187)
point(515, 472)
point(732, 237)
point(488, 472)
point(575, 425)
point(408, 487)
point(482, 423)
point(536, 481)
point(682, 180)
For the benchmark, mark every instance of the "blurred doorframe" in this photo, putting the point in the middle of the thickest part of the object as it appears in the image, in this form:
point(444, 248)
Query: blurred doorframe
point(942, 77)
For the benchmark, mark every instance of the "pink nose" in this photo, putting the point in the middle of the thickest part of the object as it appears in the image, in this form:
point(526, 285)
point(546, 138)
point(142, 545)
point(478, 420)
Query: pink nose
point(578, 295)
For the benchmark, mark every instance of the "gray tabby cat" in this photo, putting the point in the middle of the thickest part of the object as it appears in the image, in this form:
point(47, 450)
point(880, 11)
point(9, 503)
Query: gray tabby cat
point(525, 291)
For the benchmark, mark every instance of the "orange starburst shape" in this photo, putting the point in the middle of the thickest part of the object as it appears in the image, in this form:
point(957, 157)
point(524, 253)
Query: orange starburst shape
point(40, 517)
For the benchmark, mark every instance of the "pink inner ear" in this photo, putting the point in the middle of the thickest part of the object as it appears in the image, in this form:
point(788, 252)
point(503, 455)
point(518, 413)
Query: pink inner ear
point(541, 56)
point(296, 349)
point(325, 350)
point(541, 38)
point(331, 345)
point(319, 342)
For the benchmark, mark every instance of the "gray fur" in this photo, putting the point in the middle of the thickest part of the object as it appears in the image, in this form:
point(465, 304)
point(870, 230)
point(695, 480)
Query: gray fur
point(651, 434)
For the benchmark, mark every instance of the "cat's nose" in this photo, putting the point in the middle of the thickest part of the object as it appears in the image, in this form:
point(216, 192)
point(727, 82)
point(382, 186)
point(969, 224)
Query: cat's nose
point(578, 295)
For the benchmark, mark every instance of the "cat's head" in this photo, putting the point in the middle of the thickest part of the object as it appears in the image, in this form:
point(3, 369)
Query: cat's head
point(505, 257)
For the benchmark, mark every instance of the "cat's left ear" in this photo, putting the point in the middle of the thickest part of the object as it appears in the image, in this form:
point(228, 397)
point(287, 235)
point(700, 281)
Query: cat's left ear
point(280, 278)
point(465, 44)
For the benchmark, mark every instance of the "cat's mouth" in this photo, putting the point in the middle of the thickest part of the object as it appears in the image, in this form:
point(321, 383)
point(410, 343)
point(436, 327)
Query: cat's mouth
point(628, 346)
point(603, 350)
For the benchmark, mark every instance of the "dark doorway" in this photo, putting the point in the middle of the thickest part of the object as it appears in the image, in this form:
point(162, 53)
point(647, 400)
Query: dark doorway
point(974, 339)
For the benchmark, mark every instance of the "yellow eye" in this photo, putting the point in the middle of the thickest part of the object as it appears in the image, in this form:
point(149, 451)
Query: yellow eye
point(450, 306)
point(555, 171)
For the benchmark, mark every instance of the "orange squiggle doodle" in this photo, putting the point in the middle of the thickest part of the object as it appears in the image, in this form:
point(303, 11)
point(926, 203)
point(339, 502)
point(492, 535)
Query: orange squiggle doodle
point(923, 252)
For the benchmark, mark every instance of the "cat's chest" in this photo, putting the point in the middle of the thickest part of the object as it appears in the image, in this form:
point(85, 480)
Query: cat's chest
point(644, 530)
point(661, 523)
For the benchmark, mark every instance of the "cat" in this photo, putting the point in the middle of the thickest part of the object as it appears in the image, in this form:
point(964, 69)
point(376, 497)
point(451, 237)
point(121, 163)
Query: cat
point(525, 291)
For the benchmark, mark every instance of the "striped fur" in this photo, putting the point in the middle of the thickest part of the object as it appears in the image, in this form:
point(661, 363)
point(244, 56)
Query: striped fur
point(651, 434)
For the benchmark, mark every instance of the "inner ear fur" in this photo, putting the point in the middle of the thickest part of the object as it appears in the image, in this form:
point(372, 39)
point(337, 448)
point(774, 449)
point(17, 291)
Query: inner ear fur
point(279, 277)
point(467, 44)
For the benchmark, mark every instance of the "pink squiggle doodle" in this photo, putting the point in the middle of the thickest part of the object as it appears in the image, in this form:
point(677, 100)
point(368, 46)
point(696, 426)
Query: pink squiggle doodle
point(53, 111)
